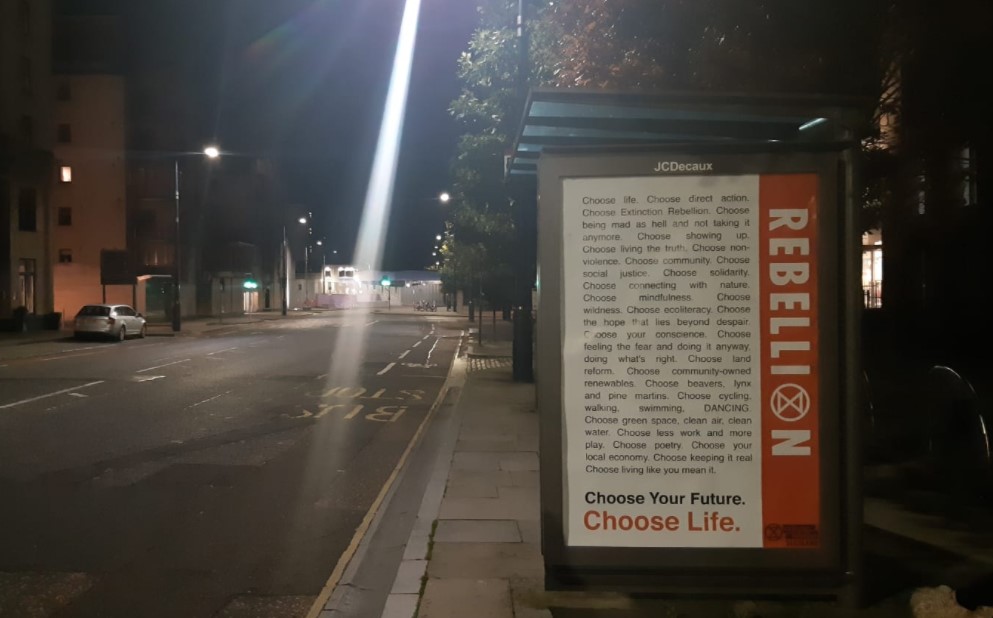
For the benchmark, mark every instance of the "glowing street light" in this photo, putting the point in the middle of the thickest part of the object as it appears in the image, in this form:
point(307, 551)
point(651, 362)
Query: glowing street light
point(437, 237)
point(211, 152)
point(444, 197)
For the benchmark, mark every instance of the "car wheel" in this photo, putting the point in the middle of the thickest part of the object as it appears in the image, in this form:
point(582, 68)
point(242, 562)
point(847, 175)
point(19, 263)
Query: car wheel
point(141, 333)
point(122, 334)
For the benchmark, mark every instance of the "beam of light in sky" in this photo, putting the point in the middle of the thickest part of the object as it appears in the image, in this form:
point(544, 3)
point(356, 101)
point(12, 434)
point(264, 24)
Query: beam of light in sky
point(344, 367)
point(375, 215)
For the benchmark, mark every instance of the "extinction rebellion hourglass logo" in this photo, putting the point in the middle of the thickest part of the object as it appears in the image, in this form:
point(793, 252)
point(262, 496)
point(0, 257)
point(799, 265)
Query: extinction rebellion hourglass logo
point(790, 402)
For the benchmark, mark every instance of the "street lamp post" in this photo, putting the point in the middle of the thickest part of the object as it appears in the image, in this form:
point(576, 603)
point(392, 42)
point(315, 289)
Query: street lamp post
point(211, 152)
point(284, 290)
point(324, 279)
point(176, 305)
point(286, 266)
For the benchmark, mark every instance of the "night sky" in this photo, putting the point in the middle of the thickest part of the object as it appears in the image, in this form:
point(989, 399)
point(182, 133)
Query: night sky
point(304, 81)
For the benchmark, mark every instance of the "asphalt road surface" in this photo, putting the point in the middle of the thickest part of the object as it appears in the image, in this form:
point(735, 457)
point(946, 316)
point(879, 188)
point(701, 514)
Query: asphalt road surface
point(223, 475)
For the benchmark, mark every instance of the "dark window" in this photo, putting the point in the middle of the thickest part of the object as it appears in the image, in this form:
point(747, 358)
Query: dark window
point(65, 133)
point(24, 15)
point(64, 92)
point(94, 310)
point(25, 75)
point(65, 256)
point(27, 210)
point(65, 215)
point(27, 128)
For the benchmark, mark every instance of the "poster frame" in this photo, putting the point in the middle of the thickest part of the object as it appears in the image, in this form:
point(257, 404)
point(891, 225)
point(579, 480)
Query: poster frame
point(831, 571)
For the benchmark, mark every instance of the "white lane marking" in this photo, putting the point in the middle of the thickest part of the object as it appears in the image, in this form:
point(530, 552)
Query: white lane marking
point(416, 344)
point(387, 368)
point(51, 358)
point(208, 399)
point(148, 378)
point(78, 395)
point(321, 377)
point(405, 353)
point(89, 347)
point(224, 350)
point(39, 397)
point(425, 337)
point(371, 323)
point(427, 361)
point(165, 365)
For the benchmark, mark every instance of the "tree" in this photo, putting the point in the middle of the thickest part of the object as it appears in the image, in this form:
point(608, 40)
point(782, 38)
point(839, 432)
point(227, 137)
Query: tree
point(480, 239)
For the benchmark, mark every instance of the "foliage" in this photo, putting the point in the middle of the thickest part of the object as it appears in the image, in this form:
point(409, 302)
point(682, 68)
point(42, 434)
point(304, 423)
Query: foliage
point(921, 62)
point(480, 237)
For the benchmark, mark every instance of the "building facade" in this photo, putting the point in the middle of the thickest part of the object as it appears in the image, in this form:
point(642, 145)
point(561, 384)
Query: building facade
point(26, 170)
point(88, 198)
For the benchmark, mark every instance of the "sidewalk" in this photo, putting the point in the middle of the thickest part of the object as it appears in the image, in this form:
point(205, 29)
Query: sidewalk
point(482, 556)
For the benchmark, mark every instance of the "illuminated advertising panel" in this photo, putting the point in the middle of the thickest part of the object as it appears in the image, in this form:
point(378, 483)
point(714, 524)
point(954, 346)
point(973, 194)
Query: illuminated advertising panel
point(695, 363)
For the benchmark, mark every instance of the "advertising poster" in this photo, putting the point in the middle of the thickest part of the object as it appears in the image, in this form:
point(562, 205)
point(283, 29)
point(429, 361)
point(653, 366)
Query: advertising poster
point(689, 363)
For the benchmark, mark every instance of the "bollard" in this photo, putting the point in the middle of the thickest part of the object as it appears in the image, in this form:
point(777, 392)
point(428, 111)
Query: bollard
point(523, 354)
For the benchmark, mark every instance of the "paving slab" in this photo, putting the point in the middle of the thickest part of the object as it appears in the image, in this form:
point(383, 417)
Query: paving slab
point(471, 490)
point(458, 598)
point(530, 530)
point(489, 444)
point(517, 462)
point(477, 461)
point(505, 507)
point(482, 477)
point(477, 531)
point(496, 421)
point(528, 595)
point(485, 561)
point(523, 478)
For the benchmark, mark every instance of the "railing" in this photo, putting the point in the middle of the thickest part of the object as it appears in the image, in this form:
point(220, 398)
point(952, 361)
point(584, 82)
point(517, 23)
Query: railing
point(872, 295)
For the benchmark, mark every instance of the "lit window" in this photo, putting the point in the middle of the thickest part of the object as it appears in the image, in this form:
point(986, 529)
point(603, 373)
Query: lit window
point(65, 173)
point(65, 256)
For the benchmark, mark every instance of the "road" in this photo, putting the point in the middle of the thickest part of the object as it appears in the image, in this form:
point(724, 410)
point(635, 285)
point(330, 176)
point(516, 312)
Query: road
point(204, 476)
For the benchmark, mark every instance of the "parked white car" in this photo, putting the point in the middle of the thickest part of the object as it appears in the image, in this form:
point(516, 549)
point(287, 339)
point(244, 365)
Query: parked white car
point(115, 321)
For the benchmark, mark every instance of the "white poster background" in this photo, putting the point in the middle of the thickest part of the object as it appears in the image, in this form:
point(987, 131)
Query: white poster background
point(624, 488)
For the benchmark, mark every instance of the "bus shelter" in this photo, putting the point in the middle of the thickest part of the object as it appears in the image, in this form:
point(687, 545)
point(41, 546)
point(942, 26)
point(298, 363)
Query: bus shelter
point(697, 273)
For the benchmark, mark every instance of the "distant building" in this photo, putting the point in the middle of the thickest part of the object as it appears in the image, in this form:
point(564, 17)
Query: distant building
point(26, 137)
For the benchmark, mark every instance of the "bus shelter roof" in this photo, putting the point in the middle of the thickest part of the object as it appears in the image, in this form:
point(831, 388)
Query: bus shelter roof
point(557, 118)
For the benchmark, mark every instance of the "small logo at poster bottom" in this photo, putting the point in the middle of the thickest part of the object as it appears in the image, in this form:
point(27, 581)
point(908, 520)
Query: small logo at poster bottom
point(795, 535)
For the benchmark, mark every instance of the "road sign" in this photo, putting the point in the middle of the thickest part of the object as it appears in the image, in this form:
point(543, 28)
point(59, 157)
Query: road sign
point(116, 267)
